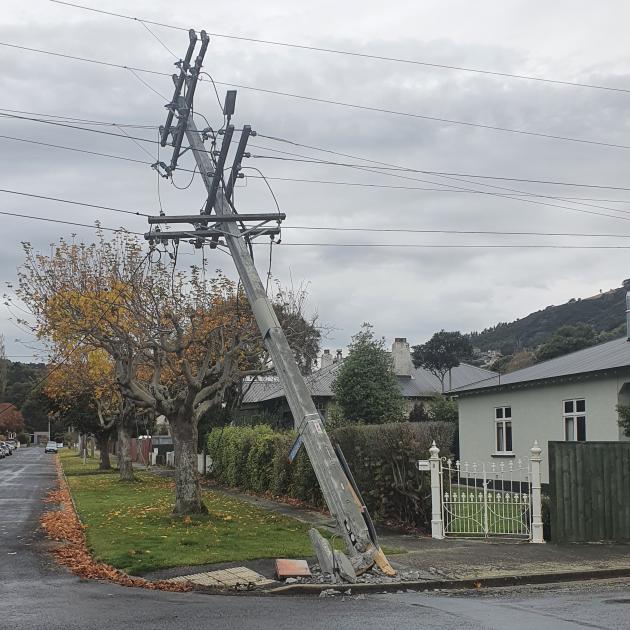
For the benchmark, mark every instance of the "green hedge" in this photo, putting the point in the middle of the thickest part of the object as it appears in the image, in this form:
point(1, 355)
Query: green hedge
point(381, 457)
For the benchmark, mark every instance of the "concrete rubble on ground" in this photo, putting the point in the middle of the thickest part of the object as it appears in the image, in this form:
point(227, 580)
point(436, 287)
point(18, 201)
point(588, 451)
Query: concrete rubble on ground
point(370, 577)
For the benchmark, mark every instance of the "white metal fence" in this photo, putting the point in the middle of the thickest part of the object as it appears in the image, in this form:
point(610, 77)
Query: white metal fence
point(473, 499)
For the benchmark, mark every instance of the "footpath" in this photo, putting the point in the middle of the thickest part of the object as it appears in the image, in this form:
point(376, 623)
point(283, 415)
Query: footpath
point(442, 564)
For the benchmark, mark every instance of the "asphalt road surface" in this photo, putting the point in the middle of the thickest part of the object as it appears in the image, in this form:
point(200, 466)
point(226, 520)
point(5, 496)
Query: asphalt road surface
point(35, 593)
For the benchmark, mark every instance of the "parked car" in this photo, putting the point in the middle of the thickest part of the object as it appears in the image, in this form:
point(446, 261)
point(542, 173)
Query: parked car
point(51, 447)
point(2, 452)
point(7, 449)
point(14, 443)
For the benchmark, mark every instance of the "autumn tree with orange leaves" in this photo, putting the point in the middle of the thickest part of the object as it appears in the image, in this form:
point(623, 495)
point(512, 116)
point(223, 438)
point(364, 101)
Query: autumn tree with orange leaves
point(177, 340)
point(11, 420)
point(84, 395)
point(78, 297)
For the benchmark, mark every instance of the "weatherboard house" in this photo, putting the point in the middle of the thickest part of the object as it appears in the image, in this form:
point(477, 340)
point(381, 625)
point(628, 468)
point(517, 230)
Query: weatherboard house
point(569, 398)
point(417, 385)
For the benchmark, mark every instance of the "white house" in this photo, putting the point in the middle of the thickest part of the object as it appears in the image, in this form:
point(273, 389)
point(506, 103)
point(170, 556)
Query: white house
point(572, 397)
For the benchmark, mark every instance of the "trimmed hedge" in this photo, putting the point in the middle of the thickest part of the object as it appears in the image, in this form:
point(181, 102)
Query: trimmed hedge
point(382, 459)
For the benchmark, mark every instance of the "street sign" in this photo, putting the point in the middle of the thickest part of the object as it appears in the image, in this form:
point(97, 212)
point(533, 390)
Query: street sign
point(423, 464)
point(295, 448)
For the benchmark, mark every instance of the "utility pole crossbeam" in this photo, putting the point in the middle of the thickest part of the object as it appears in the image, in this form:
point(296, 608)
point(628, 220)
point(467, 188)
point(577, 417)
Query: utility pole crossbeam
point(342, 501)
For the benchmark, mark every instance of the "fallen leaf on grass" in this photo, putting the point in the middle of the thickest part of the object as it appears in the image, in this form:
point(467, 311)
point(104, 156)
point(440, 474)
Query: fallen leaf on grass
point(64, 526)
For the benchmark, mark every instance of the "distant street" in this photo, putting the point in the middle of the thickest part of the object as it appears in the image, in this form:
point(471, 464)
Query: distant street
point(35, 594)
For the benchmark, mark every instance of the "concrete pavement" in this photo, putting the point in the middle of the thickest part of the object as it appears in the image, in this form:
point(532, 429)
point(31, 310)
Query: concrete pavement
point(36, 594)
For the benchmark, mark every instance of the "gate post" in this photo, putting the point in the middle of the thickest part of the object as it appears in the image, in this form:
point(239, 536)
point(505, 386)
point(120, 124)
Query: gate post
point(437, 526)
point(537, 524)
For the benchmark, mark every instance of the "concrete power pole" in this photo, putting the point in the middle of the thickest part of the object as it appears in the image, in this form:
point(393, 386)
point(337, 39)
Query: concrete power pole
point(342, 500)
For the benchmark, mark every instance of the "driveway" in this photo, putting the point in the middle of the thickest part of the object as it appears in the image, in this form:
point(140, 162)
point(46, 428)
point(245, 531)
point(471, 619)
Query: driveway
point(36, 594)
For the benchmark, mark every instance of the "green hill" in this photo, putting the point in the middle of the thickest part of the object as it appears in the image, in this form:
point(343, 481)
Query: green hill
point(605, 312)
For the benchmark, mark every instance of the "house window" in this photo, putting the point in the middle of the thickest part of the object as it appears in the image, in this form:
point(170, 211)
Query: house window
point(503, 429)
point(574, 419)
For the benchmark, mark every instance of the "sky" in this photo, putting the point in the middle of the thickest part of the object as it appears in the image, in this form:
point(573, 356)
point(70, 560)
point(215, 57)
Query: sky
point(413, 287)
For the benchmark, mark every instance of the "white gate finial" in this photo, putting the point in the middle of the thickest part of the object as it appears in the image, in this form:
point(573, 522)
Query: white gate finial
point(537, 524)
point(437, 524)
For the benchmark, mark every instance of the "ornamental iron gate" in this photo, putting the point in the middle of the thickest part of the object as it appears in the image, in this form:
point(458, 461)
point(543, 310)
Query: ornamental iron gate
point(473, 499)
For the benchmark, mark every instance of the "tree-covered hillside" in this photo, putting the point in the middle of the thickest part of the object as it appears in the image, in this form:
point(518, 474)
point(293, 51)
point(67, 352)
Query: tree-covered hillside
point(605, 312)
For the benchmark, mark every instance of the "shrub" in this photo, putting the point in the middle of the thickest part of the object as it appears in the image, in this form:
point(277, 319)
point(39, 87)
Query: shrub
point(382, 459)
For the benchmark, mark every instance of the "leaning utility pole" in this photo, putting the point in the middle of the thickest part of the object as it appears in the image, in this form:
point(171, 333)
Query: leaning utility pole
point(342, 499)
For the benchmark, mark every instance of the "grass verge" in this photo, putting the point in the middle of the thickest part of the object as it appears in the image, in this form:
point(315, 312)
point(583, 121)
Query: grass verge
point(130, 526)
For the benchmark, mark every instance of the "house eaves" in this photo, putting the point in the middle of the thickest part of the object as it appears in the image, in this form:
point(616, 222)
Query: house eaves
point(593, 362)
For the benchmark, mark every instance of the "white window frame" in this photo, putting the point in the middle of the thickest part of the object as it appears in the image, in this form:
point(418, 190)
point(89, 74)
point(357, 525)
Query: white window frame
point(572, 418)
point(502, 423)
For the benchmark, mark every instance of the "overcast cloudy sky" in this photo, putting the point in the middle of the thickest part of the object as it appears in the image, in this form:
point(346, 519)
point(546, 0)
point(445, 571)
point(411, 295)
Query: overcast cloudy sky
point(403, 291)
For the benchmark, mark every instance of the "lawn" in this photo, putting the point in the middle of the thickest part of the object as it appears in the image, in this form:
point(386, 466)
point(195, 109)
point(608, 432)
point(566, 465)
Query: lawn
point(465, 516)
point(129, 525)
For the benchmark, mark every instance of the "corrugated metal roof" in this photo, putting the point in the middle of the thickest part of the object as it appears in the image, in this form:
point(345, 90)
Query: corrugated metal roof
point(421, 384)
point(605, 356)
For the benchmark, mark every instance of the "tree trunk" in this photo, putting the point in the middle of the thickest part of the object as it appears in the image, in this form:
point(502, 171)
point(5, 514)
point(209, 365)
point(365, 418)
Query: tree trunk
point(187, 487)
point(102, 441)
point(125, 466)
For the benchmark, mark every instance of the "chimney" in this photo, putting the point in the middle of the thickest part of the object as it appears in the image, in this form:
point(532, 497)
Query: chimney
point(326, 359)
point(401, 357)
point(338, 357)
point(628, 315)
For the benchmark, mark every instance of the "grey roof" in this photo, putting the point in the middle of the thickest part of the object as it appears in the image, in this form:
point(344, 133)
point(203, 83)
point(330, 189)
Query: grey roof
point(605, 356)
point(421, 384)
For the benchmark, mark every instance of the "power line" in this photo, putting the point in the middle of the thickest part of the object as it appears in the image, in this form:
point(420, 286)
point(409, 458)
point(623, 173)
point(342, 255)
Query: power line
point(444, 231)
point(124, 135)
point(335, 102)
point(73, 223)
point(514, 179)
point(451, 246)
point(331, 228)
point(371, 169)
point(81, 120)
point(314, 160)
point(395, 112)
point(382, 165)
point(57, 123)
point(97, 153)
point(457, 188)
point(367, 169)
point(357, 54)
point(60, 146)
point(423, 188)
point(72, 202)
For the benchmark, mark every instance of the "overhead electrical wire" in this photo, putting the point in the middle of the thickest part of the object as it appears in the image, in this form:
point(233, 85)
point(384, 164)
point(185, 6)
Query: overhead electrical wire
point(81, 120)
point(373, 169)
point(388, 172)
point(355, 53)
point(423, 188)
point(367, 169)
point(453, 246)
point(396, 245)
point(382, 165)
point(73, 223)
point(72, 202)
point(428, 172)
point(405, 230)
point(315, 99)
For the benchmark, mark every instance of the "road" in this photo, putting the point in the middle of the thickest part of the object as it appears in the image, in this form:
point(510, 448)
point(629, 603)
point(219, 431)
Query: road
point(36, 594)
